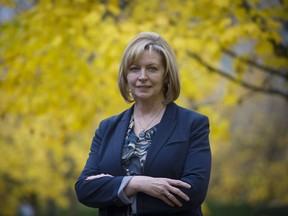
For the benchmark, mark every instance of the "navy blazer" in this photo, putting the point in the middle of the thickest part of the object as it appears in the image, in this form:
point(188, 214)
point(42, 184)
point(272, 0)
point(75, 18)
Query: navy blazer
point(180, 150)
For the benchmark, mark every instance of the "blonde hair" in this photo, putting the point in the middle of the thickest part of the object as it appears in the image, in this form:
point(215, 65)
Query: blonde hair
point(153, 42)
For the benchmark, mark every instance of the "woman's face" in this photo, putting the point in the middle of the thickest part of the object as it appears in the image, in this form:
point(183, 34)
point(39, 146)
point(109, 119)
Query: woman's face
point(146, 77)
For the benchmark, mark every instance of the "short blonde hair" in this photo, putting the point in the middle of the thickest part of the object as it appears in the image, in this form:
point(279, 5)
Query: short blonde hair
point(150, 41)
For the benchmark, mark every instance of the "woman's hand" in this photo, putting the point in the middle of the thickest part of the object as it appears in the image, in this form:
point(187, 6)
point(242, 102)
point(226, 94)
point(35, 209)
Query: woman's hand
point(161, 188)
point(97, 176)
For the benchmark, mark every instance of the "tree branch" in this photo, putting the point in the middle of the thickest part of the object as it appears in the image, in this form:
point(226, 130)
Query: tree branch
point(264, 68)
point(243, 83)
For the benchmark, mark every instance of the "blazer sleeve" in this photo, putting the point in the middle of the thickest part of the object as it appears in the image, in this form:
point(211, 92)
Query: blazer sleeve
point(197, 168)
point(101, 192)
point(196, 172)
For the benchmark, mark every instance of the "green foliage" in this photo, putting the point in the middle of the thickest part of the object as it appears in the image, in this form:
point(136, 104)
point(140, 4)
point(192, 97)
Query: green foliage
point(58, 78)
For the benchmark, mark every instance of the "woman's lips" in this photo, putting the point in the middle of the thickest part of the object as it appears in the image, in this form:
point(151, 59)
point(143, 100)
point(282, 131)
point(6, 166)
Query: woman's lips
point(143, 86)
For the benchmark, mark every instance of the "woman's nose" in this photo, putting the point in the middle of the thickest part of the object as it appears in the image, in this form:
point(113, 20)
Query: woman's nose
point(143, 75)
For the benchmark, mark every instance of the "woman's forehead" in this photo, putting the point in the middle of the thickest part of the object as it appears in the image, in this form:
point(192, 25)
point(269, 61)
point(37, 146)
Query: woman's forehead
point(149, 56)
point(135, 56)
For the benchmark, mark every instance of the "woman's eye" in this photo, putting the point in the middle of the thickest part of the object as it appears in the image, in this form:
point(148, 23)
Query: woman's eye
point(134, 69)
point(152, 69)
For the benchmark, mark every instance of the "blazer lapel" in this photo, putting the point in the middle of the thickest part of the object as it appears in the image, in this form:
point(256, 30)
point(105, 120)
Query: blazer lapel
point(119, 138)
point(165, 129)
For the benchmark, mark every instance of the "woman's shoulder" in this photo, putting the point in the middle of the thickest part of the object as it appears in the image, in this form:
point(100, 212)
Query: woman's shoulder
point(117, 117)
point(189, 113)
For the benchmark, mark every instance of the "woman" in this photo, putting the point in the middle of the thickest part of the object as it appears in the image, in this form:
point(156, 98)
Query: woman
point(154, 158)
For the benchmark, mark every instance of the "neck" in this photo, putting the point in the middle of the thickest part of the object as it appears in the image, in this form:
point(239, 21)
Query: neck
point(148, 108)
point(146, 117)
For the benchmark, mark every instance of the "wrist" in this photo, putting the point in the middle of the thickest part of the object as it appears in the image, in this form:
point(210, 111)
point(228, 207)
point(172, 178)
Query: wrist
point(132, 187)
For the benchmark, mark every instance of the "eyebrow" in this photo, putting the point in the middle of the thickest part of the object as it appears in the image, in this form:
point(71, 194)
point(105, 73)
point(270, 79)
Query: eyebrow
point(135, 64)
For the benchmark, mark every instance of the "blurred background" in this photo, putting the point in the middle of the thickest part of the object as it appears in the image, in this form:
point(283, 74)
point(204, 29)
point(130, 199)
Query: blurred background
point(59, 61)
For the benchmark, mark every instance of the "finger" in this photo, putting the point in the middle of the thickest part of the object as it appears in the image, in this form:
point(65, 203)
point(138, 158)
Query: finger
point(167, 200)
point(172, 198)
point(97, 176)
point(179, 183)
point(178, 192)
point(90, 177)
